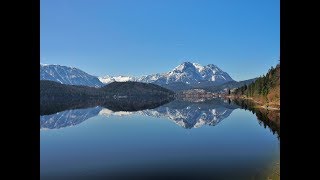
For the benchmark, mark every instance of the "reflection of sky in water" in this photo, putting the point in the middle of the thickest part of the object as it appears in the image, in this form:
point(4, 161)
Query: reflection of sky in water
point(106, 144)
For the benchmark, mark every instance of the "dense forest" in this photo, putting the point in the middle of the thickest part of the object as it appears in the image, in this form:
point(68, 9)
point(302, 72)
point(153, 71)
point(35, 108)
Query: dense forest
point(51, 90)
point(265, 89)
point(136, 89)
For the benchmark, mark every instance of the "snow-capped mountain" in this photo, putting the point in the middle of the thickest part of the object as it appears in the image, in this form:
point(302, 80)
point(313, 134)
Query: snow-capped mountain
point(150, 78)
point(187, 72)
point(68, 75)
point(190, 73)
point(110, 79)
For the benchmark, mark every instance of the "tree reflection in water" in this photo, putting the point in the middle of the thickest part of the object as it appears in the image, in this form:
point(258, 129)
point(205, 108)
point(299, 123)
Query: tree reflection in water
point(266, 118)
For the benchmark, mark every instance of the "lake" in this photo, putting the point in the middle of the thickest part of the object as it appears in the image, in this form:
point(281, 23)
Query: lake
point(213, 139)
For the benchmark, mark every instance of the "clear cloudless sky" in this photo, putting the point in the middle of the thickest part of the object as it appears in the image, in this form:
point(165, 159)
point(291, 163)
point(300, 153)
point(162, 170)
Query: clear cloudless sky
point(140, 37)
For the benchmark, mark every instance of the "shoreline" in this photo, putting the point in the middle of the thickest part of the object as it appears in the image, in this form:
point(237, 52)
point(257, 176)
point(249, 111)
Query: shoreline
point(260, 105)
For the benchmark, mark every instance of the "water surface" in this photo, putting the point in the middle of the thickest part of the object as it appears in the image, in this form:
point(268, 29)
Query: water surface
point(180, 139)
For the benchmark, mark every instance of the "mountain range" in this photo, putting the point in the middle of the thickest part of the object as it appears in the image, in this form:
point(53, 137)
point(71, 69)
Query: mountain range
point(185, 76)
point(187, 72)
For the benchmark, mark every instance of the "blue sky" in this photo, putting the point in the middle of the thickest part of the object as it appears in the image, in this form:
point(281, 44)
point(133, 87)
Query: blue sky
point(139, 37)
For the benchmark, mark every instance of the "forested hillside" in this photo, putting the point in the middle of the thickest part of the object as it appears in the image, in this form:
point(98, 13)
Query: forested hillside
point(136, 89)
point(265, 89)
point(126, 95)
point(52, 91)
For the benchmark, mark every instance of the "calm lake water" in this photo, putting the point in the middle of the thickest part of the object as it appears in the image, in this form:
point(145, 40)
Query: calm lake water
point(203, 140)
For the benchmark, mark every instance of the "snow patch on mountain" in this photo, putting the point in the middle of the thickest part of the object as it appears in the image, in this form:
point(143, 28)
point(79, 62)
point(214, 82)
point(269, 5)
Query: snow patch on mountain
point(110, 79)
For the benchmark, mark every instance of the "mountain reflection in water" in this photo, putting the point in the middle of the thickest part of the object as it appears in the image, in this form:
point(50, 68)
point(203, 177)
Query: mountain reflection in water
point(68, 118)
point(184, 113)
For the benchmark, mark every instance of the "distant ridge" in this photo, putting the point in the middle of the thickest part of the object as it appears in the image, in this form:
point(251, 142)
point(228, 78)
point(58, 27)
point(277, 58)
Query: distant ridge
point(187, 73)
